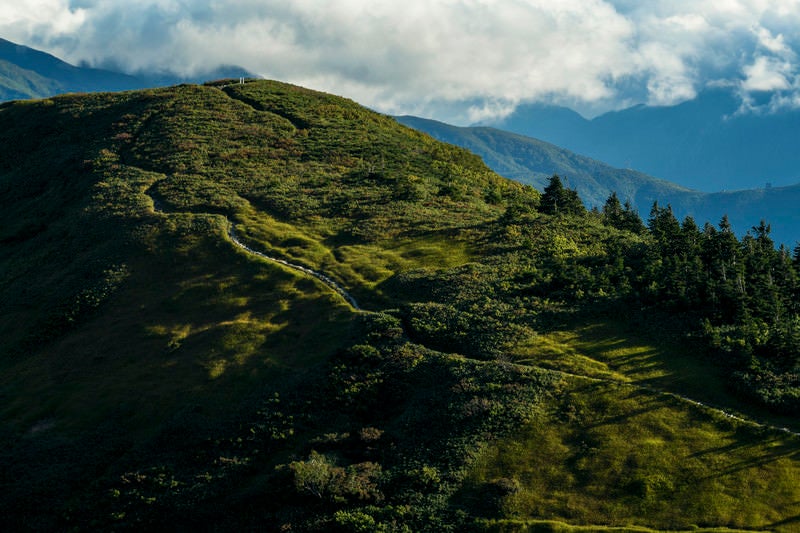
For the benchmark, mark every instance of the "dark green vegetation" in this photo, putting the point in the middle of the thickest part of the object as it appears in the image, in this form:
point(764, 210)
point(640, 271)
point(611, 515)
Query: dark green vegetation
point(154, 373)
point(533, 161)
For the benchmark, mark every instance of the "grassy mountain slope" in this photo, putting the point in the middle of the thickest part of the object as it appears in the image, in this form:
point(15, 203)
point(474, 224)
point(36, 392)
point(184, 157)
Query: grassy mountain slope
point(776, 205)
point(17, 83)
point(153, 371)
point(50, 75)
point(79, 192)
point(533, 161)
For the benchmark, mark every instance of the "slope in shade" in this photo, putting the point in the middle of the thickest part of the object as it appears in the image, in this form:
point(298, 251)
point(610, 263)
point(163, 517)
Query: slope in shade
point(155, 371)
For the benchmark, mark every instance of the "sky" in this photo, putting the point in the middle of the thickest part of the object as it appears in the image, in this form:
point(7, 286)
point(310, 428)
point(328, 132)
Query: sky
point(461, 61)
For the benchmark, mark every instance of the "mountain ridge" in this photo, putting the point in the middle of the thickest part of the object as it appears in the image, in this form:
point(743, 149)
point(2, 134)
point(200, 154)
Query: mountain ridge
point(710, 143)
point(518, 366)
point(532, 161)
point(29, 73)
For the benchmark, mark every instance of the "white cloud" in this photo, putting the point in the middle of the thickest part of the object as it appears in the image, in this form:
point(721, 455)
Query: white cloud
point(19, 20)
point(489, 110)
point(432, 54)
point(773, 43)
point(766, 74)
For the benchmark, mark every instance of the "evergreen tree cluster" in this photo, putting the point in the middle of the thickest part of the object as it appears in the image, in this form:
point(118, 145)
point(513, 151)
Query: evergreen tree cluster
point(621, 217)
point(745, 292)
point(742, 294)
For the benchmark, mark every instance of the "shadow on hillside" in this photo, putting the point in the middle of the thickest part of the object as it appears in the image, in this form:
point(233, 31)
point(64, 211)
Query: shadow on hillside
point(777, 451)
point(654, 351)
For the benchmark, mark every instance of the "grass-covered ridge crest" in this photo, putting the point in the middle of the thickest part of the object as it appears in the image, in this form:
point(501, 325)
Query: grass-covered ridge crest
point(517, 363)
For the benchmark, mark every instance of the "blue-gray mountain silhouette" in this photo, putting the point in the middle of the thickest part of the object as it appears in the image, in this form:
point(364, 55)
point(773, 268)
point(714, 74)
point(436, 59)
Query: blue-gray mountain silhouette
point(533, 161)
point(29, 73)
point(703, 144)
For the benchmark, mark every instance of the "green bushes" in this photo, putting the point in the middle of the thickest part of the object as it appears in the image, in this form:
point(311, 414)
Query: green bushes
point(238, 394)
point(320, 477)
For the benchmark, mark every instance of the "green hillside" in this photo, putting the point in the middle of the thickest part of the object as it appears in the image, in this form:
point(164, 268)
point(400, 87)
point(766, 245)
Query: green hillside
point(17, 83)
point(180, 342)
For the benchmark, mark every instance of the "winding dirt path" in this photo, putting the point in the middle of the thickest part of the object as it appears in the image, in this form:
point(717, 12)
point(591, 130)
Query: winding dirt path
point(330, 283)
point(319, 275)
point(158, 208)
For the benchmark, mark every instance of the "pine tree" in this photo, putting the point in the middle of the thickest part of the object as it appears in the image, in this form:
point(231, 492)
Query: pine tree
point(558, 200)
point(631, 220)
point(612, 211)
point(552, 201)
point(572, 203)
point(665, 228)
point(727, 267)
point(690, 264)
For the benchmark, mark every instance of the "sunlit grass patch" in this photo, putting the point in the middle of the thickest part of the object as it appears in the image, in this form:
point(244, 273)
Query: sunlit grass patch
point(659, 360)
point(554, 526)
point(557, 351)
point(627, 350)
point(372, 264)
point(615, 455)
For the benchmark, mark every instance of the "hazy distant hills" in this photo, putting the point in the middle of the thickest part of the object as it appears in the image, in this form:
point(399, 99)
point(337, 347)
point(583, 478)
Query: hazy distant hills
point(29, 73)
point(17, 83)
point(702, 143)
point(532, 161)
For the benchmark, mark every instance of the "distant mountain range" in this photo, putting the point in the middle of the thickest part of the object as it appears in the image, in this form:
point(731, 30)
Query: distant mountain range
point(29, 73)
point(701, 144)
point(533, 161)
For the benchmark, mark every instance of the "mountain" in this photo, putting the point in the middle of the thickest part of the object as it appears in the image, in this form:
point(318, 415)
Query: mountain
point(533, 161)
point(29, 73)
point(35, 74)
point(17, 83)
point(705, 143)
point(257, 307)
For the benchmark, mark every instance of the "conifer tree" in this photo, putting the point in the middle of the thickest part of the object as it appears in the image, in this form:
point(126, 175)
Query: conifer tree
point(558, 200)
point(690, 264)
point(631, 220)
point(612, 211)
point(727, 269)
point(553, 197)
point(621, 217)
point(665, 228)
point(573, 203)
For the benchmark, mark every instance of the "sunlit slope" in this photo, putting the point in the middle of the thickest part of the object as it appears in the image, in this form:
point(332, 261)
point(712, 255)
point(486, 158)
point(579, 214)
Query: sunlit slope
point(641, 434)
point(618, 455)
point(99, 280)
point(155, 372)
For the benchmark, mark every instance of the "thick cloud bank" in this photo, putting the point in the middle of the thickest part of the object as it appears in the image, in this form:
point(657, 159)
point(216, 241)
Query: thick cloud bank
point(461, 60)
